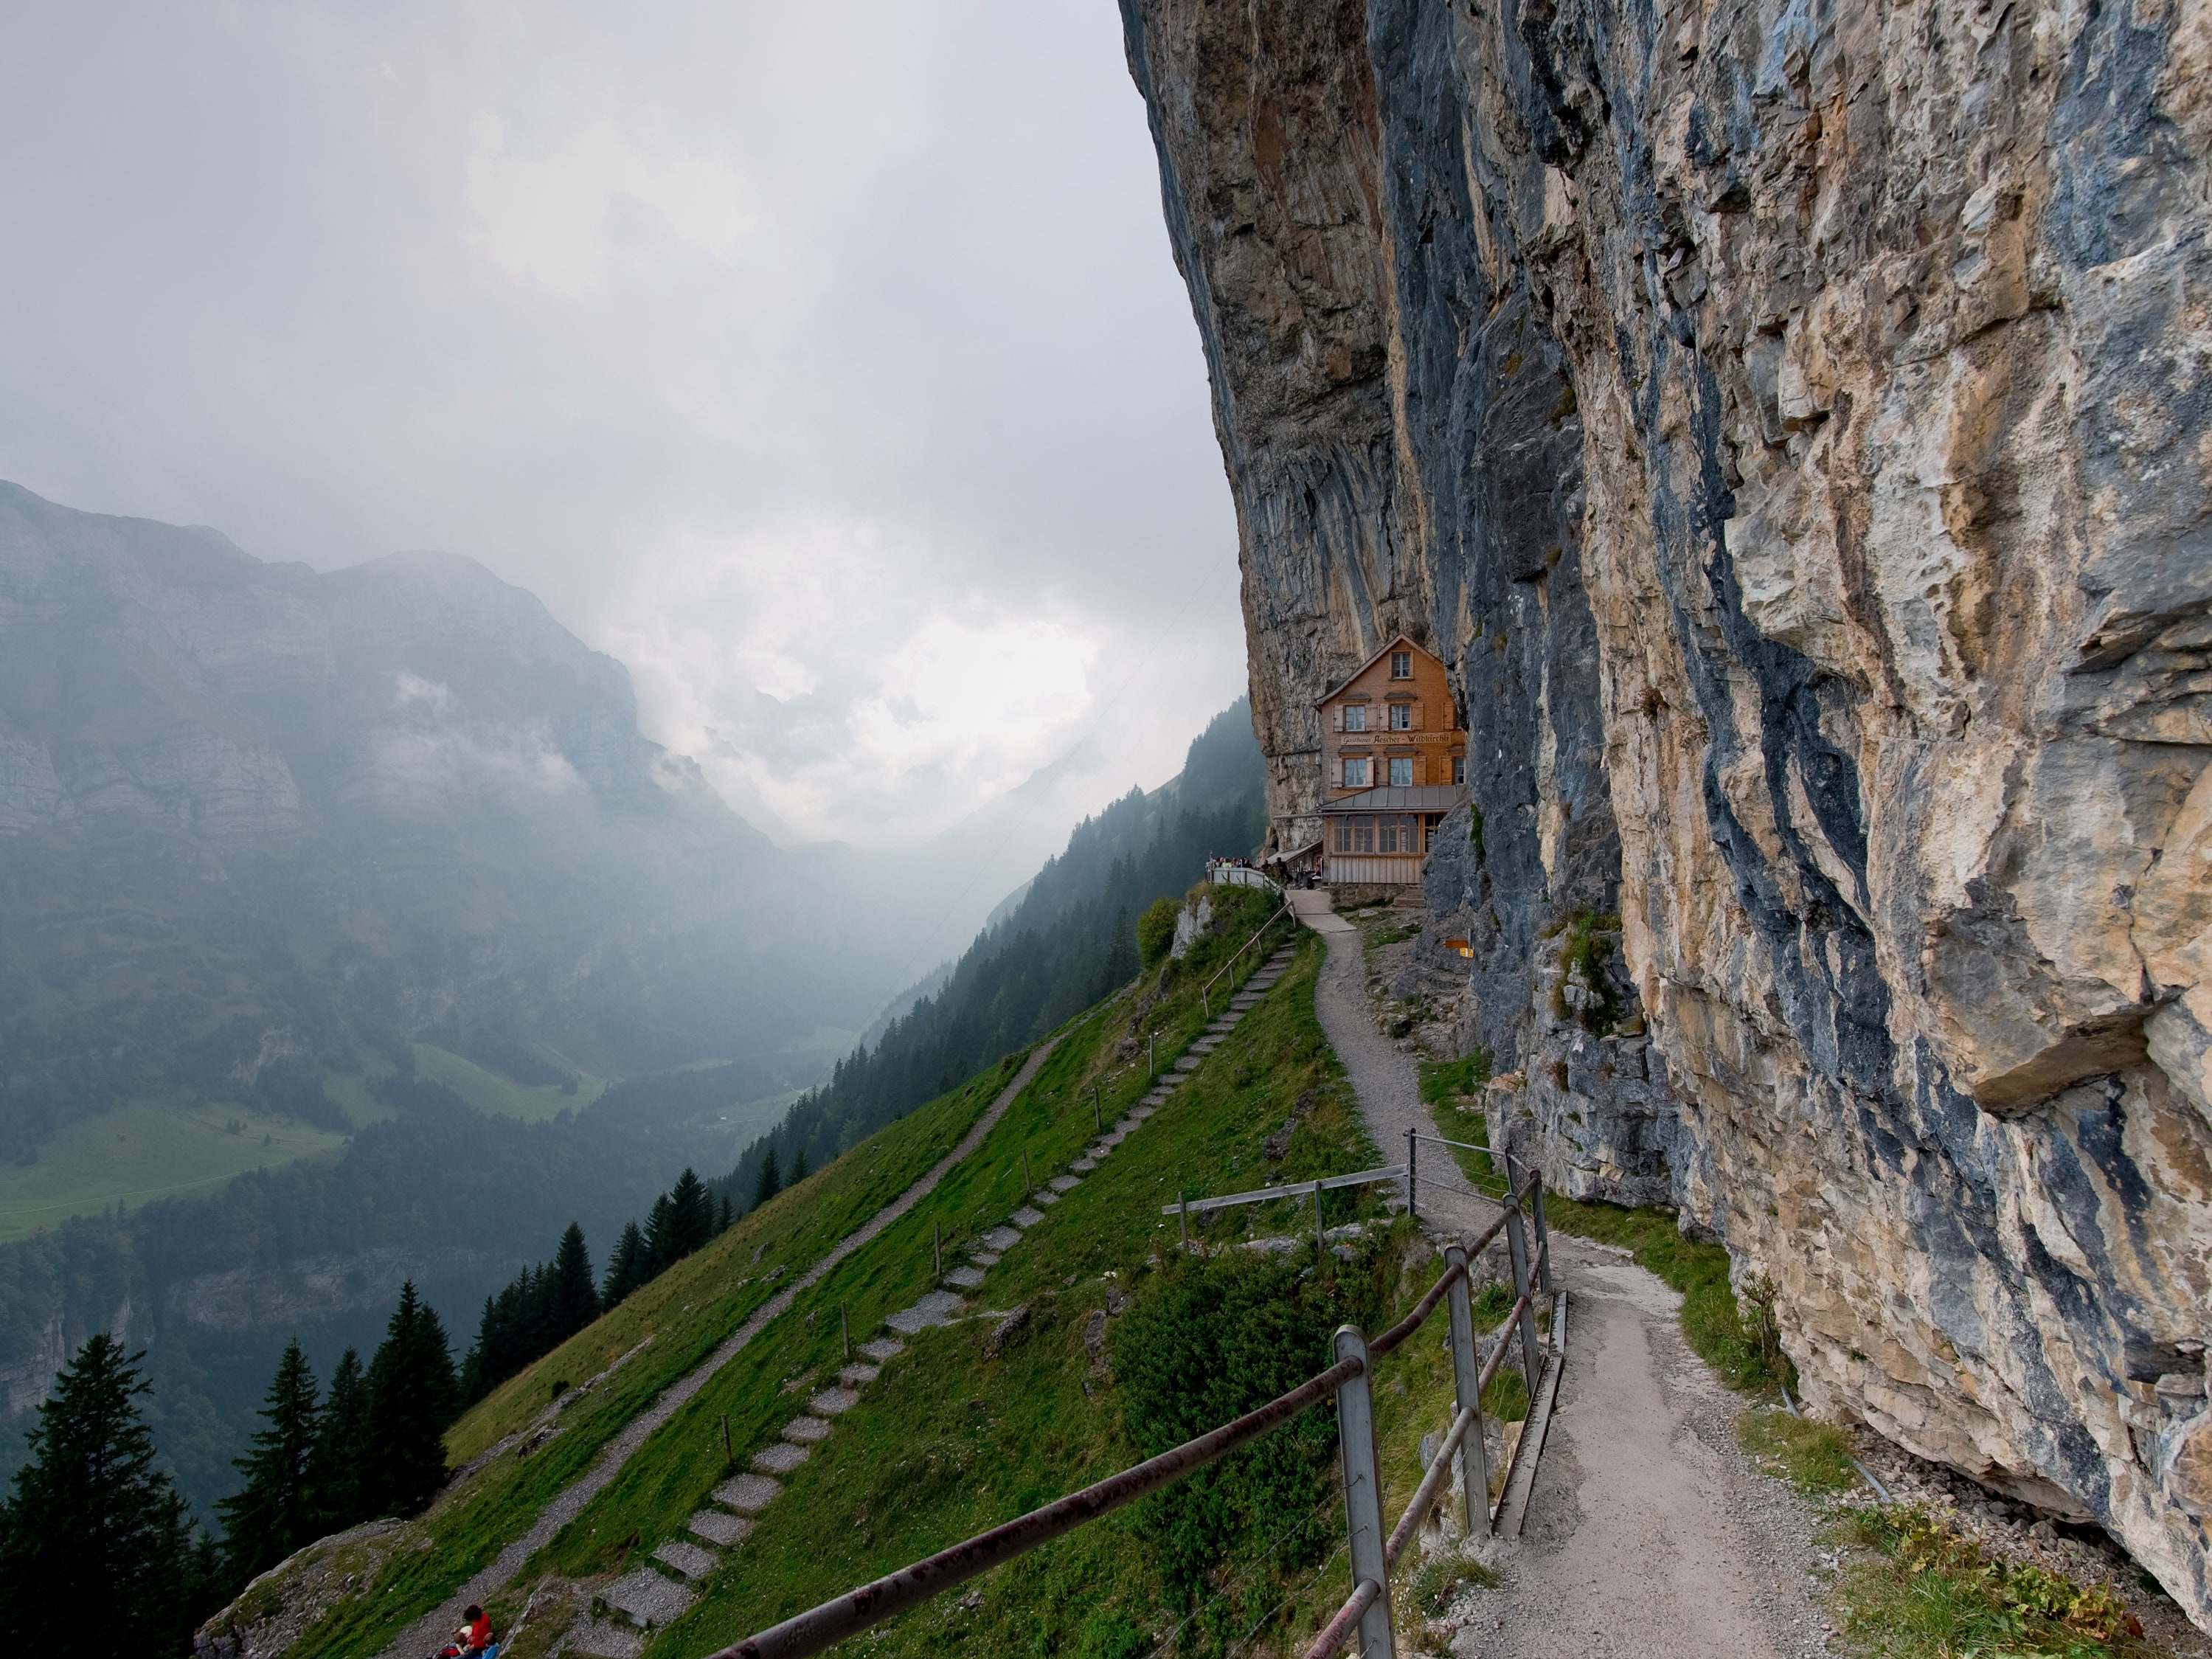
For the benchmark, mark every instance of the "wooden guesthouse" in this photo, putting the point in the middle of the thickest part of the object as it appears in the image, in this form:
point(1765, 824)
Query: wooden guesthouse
point(1394, 762)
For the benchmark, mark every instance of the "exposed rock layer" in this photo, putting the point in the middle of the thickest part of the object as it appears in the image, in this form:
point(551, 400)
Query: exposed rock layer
point(1793, 423)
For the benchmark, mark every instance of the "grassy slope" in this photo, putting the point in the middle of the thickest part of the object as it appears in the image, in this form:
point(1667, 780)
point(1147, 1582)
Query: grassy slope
point(948, 1441)
point(496, 1096)
point(684, 1313)
point(951, 1440)
point(142, 1150)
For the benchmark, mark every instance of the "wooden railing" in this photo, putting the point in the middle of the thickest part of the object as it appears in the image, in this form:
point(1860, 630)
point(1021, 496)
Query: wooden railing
point(1367, 1609)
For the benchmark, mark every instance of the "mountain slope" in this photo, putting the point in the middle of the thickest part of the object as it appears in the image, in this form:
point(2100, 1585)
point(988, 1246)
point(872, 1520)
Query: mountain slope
point(1068, 941)
point(258, 823)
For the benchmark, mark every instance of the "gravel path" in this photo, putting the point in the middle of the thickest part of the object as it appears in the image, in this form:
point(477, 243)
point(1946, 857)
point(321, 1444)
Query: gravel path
point(1650, 1531)
point(426, 1633)
point(1388, 1081)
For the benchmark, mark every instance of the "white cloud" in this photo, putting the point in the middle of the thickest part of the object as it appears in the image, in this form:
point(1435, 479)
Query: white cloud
point(844, 679)
point(545, 217)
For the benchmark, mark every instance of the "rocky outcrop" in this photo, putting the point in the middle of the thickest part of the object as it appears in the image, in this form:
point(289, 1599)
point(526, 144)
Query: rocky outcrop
point(1793, 424)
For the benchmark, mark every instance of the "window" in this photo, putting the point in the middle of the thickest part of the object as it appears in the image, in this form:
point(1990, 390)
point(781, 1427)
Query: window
point(1355, 775)
point(1401, 833)
point(1355, 834)
point(1401, 772)
point(1459, 768)
point(1401, 717)
point(1401, 664)
point(1355, 717)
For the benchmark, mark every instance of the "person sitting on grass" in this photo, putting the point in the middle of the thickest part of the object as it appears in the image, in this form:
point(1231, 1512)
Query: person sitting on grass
point(474, 1637)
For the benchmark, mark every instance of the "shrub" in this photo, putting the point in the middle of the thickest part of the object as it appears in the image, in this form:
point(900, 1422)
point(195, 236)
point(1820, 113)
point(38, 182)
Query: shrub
point(1156, 931)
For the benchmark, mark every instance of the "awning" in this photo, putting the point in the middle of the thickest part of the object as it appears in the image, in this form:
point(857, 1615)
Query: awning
point(1416, 798)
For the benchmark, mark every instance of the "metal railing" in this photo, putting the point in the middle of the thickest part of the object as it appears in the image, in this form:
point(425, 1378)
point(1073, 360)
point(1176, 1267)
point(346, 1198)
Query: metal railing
point(1373, 1554)
point(1205, 991)
point(1241, 875)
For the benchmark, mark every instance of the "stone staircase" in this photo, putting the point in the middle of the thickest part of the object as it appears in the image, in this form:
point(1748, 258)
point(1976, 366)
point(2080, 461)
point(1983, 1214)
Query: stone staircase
point(658, 1590)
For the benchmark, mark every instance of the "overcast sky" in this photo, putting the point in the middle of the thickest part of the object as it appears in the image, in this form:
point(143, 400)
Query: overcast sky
point(824, 362)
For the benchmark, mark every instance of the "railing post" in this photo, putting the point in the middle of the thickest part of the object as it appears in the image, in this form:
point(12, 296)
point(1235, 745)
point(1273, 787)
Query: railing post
point(1474, 1456)
point(1363, 1494)
point(937, 1246)
point(1183, 1199)
point(1516, 1245)
point(1412, 1205)
point(1543, 1237)
point(1321, 1233)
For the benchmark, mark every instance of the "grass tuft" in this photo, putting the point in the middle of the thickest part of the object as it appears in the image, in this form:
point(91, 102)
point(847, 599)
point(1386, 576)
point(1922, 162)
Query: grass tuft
point(1815, 1457)
point(1923, 1592)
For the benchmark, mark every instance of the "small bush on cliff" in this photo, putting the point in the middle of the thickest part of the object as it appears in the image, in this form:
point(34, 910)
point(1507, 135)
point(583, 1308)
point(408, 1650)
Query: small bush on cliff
point(1156, 931)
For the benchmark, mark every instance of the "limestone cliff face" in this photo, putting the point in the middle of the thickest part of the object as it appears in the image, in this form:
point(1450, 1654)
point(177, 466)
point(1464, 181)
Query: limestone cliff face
point(1793, 421)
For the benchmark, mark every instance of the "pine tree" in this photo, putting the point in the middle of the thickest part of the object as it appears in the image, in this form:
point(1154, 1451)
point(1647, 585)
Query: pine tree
point(574, 1303)
point(771, 1179)
point(96, 1551)
point(344, 1492)
point(277, 1511)
point(798, 1168)
point(413, 1398)
point(723, 1216)
point(690, 1215)
point(659, 1237)
point(626, 1267)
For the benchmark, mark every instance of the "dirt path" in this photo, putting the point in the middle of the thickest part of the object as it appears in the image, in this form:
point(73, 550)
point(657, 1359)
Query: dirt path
point(426, 1633)
point(1386, 1078)
point(1649, 1532)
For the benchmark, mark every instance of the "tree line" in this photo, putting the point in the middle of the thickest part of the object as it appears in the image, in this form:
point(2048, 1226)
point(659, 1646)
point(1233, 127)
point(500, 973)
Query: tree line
point(1070, 941)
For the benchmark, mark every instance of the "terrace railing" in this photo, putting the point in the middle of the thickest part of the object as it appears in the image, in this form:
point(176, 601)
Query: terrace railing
point(1373, 1552)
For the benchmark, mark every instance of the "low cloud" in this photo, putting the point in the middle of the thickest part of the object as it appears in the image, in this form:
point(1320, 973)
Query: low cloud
point(545, 218)
point(841, 677)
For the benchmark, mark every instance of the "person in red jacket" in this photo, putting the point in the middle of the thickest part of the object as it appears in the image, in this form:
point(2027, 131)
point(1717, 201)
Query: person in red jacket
point(473, 1636)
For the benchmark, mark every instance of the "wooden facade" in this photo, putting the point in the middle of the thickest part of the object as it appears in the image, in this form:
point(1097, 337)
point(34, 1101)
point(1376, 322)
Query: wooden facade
point(1394, 762)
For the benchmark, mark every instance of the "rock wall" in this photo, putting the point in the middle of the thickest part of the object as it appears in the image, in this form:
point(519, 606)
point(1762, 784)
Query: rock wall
point(1793, 423)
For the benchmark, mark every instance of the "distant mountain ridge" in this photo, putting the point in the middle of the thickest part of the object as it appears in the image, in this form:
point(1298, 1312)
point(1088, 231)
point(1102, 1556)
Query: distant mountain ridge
point(251, 813)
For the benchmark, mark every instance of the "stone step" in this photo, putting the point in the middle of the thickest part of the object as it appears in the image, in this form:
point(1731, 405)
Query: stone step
point(1026, 1218)
point(719, 1527)
point(1142, 1111)
point(985, 1258)
point(965, 1278)
point(602, 1640)
point(833, 1402)
point(1126, 1125)
point(854, 1375)
point(1045, 1196)
point(1206, 1045)
point(647, 1597)
point(690, 1560)
point(1065, 1183)
point(806, 1430)
point(782, 1458)
point(1085, 1164)
point(748, 1493)
point(1002, 1238)
point(882, 1349)
point(1186, 1062)
point(937, 1308)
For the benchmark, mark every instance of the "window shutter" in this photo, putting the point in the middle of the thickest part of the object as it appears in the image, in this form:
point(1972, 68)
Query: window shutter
point(1412, 717)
